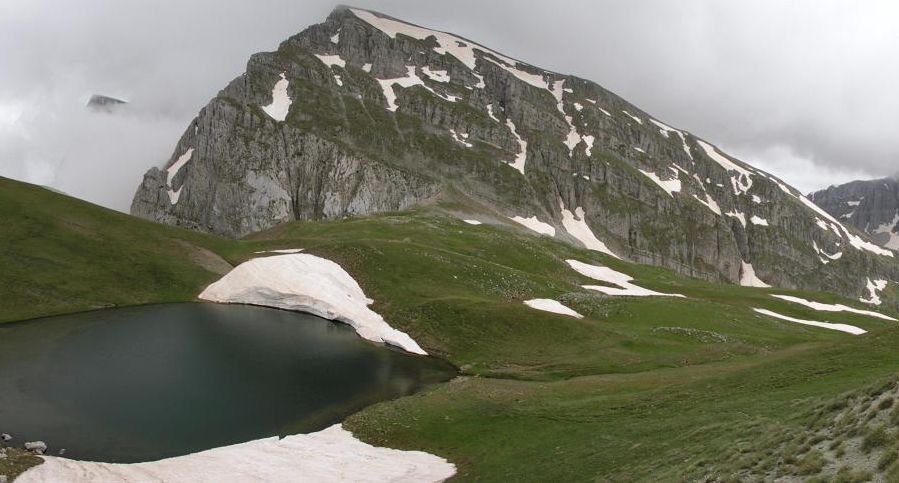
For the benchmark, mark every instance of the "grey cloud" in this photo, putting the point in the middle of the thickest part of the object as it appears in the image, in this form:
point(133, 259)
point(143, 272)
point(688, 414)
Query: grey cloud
point(805, 89)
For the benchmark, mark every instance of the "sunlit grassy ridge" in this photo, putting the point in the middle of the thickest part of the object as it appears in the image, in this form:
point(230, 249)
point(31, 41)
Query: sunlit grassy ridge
point(649, 389)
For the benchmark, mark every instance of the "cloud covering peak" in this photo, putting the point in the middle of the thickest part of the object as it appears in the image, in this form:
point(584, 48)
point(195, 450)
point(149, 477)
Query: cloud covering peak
point(803, 89)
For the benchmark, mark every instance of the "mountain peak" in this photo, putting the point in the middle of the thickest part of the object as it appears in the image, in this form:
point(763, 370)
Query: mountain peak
point(366, 113)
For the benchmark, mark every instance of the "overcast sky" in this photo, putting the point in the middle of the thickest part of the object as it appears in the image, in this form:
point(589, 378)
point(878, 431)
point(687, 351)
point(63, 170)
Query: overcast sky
point(808, 90)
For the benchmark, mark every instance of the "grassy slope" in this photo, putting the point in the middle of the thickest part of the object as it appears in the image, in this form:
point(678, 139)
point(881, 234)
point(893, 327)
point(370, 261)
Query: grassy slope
point(612, 397)
point(641, 389)
point(59, 254)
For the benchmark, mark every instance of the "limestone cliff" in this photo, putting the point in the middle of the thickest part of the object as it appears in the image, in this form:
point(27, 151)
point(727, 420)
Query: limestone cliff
point(365, 113)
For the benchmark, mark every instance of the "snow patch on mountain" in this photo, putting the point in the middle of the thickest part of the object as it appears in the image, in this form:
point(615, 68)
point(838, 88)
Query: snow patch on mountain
point(554, 306)
point(739, 216)
point(172, 171)
point(331, 60)
point(462, 49)
point(535, 225)
point(588, 140)
point(748, 277)
point(874, 287)
point(889, 228)
point(851, 329)
point(436, 75)
point(671, 186)
point(635, 118)
point(757, 220)
point(742, 182)
point(522, 156)
point(607, 275)
point(832, 307)
point(710, 203)
point(461, 139)
point(491, 114)
point(281, 102)
point(411, 79)
point(856, 241)
point(823, 255)
point(576, 225)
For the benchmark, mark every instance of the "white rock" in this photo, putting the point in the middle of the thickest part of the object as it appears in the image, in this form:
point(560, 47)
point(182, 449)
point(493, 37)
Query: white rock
point(37, 447)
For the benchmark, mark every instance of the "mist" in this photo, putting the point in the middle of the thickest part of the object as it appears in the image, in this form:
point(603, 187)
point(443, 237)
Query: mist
point(805, 89)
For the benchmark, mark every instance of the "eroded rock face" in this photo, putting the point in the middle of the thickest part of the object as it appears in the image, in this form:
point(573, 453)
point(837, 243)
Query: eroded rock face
point(871, 206)
point(381, 115)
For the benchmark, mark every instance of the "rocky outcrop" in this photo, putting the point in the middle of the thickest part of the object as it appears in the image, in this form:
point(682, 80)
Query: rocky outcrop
point(365, 113)
point(871, 206)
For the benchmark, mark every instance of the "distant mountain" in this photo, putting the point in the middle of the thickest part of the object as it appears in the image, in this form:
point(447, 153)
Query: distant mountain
point(871, 206)
point(102, 103)
point(365, 113)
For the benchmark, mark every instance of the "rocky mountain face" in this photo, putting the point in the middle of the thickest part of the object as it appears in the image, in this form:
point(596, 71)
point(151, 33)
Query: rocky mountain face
point(871, 206)
point(365, 113)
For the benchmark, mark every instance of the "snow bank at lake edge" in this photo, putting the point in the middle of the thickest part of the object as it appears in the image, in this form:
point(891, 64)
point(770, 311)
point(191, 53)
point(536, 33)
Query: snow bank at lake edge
point(333, 454)
point(306, 283)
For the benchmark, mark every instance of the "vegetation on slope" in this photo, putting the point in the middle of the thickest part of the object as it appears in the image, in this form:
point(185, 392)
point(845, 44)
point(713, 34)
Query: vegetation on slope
point(59, 254)
point(641, 389)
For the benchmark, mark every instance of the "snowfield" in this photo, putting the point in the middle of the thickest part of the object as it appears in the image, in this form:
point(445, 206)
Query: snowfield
point(710, 203)
point(333, 454)
point(331, 60)
point(742, 182)
point(576, 225)
point(522, 156)
point(311, 284)
point(461, 49)
point(832, 307)
point(607, 275)
point(849, 329)
point(410, 80)
point(535, 225)
point(670, 186)
point(748, 277)
point(874, 287)
point(281, 102)
point(554, 306)
point(172, 171)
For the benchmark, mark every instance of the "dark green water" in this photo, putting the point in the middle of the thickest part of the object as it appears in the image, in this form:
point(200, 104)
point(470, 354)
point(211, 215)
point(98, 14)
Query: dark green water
point(143, 383)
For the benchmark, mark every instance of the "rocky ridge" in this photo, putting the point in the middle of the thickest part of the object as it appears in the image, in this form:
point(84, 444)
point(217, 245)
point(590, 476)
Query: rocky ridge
point(365, 113)
point(870, 206)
